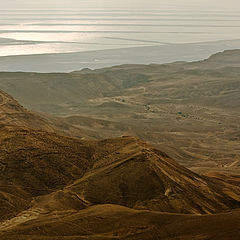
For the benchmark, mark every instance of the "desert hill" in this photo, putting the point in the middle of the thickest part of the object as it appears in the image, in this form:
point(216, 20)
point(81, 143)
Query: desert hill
point(189, 110)
point(57, 93)
point(141, 177)
point(121, 171)
point(224, 59)
point(57, 182)
point(49, 180)
point(34, 162)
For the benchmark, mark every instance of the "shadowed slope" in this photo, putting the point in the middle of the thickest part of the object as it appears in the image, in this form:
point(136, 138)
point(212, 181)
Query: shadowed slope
point(121, 171)
point(34, 162)
point(105, 222)
point(139, 176)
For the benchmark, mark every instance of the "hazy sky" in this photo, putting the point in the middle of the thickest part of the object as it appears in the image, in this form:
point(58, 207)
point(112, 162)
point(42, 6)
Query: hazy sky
point(132, 4)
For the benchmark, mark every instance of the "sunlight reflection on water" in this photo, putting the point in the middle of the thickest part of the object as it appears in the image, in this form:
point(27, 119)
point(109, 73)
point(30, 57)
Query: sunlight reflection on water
point(61, 32)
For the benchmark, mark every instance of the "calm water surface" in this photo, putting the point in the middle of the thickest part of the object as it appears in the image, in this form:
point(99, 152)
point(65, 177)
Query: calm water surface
point(24, 32)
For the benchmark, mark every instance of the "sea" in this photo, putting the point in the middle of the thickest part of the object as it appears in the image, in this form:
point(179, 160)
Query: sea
point(41, 31)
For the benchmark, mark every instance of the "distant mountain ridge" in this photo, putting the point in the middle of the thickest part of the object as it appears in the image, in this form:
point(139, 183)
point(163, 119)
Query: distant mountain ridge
point(190, 110)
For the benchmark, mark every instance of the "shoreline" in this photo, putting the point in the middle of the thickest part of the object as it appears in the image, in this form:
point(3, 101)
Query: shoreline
point(72, 61)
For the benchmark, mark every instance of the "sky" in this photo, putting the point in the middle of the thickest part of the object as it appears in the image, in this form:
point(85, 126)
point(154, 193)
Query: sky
point(228, 5)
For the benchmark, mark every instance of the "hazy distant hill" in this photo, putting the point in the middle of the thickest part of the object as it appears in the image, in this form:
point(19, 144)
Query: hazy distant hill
point(190, 110)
